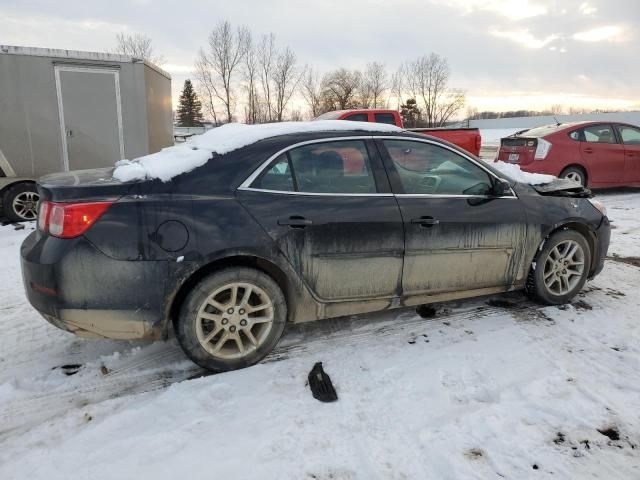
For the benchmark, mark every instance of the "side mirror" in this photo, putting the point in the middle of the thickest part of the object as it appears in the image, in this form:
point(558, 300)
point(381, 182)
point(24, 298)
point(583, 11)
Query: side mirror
point(501, 187)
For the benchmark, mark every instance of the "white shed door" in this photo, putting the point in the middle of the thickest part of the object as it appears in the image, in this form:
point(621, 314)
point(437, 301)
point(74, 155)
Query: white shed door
point(90, 116)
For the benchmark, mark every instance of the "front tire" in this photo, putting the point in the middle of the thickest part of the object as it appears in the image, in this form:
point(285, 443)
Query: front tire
point(20, 202)
point(232, 319)
point(561, 268)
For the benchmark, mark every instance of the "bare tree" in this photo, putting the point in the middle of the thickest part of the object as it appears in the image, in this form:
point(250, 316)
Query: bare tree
point(206, 87)
point(266, 60)
point(227, 49)
point(137, 45)
point(339, 89)
point(285, 81)
point(427, 80)
point(373, 85)
point(398, 84)
point(251, 74)
point(311, 91)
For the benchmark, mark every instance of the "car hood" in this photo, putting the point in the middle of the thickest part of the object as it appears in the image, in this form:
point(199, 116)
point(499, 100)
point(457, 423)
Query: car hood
point(561, 187)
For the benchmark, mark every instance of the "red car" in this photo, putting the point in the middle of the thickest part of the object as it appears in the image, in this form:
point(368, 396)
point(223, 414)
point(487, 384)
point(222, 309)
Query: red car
point(594, 154)
point(466, 138)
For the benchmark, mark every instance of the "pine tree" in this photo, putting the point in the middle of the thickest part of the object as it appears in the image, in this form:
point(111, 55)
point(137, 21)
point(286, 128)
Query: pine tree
point(410, 113)
point(189, 107)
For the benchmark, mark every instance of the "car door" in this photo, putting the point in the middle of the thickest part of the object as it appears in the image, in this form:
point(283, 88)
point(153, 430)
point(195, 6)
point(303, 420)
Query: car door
point(603, 154)
point(338, 225)
point(458, 236)
point(630, 137)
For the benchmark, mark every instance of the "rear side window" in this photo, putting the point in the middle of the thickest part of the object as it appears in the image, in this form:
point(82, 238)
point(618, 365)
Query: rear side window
point(575, 135)
point(342, 167)
point(277, 177)
point(358, 117)
point(630, 135)
point(599, 134)
point(385, 118)
point(428, 169)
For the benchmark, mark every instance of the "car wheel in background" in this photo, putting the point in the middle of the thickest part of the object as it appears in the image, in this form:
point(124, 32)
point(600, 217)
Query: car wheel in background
point(575, 174)
point(561, 268)
point(20, 202)
point(232, 319)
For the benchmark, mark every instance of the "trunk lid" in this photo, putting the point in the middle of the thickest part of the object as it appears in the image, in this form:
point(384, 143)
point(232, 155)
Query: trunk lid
point(82, 185)
point(517, 150)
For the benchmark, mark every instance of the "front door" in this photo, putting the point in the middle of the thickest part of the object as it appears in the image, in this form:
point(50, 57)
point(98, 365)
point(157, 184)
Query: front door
point(328, 207)
point(458, 236)
point(90, 116)
point(631, 139)
point(603, 154)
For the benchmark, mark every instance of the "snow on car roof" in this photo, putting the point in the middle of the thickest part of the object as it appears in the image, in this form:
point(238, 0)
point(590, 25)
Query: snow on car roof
point(172, 161)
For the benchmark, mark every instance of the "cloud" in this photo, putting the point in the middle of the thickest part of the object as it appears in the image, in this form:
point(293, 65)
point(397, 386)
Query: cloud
point(587, 9)
point(610, 33)
point(512, 9)
point(524, 38)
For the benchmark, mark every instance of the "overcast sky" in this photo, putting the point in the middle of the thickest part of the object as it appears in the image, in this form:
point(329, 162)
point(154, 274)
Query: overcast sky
point(505, 53)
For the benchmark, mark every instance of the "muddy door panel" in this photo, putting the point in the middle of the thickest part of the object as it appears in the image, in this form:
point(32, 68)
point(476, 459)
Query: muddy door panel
point(343, 247)
point(461, 243)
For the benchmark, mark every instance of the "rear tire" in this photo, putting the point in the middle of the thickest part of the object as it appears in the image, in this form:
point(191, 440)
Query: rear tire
point(232, 319)
point(20, 202)
point(561, 268)
point(576, 174)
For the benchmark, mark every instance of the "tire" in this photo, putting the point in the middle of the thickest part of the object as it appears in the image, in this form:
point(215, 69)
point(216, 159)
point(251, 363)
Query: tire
point(560, 285)
point(217, 333)
point(20, 202)
point(577, 174)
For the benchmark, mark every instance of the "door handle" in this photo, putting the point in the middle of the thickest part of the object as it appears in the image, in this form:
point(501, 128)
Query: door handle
point(588, 150)
point(295, 221)
point(425, 221)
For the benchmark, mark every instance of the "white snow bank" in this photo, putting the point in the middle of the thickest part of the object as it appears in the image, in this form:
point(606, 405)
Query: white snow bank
point(518, 175)
point(173, 161)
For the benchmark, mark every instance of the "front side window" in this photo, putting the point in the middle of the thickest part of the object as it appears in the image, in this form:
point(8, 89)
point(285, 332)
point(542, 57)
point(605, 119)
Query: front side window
point(424, 168)
point(599, 134)
point(630, 135)
point(341, 167)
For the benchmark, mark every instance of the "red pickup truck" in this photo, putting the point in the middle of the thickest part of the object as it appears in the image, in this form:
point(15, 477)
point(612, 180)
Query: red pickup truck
point(466, 138)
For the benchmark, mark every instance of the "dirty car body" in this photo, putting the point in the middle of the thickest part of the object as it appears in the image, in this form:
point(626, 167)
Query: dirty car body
point(343, 222)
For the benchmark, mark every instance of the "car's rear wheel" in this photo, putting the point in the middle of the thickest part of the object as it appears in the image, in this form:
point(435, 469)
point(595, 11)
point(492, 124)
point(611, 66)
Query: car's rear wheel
point(232, 319)
point(575, 174)
point(20, 202)
point(561, 268)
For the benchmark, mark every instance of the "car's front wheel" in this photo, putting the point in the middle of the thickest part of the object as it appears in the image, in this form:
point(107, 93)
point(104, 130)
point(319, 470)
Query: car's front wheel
point(232, 319)
point(561, 268)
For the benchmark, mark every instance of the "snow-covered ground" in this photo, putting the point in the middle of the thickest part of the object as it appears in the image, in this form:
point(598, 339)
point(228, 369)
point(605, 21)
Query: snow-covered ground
point(489, 388)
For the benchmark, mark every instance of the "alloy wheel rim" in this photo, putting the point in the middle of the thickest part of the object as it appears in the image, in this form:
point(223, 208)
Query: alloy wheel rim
point(234, 320)
point(25, 205)
point(564, 267)
point(574, 177)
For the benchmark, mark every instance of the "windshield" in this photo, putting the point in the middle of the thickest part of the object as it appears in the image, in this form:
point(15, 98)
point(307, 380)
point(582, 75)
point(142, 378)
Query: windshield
point(542, 131)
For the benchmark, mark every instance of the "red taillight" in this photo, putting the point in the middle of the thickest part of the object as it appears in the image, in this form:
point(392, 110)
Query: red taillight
point(69, 220)
point(478, 142)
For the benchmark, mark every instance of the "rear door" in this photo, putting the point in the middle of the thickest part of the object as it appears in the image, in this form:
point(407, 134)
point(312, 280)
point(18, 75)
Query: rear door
point(630, 137)
point(458, 236)
point(603, 155)
point(90, 116)
point(328, 207)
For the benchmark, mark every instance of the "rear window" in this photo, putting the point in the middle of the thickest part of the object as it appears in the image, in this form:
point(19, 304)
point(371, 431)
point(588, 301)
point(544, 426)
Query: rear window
point(541, 131)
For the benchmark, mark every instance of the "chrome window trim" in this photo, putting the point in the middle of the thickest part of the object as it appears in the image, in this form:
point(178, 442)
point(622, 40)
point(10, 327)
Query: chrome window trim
point(246, 185)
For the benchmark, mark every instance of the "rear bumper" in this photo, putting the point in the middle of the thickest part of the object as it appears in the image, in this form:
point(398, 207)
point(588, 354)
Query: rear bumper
point(77, 288)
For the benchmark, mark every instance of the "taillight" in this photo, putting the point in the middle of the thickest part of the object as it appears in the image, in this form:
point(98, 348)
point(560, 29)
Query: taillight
point(69, 220)
point(542, 150)
point(478, 142)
